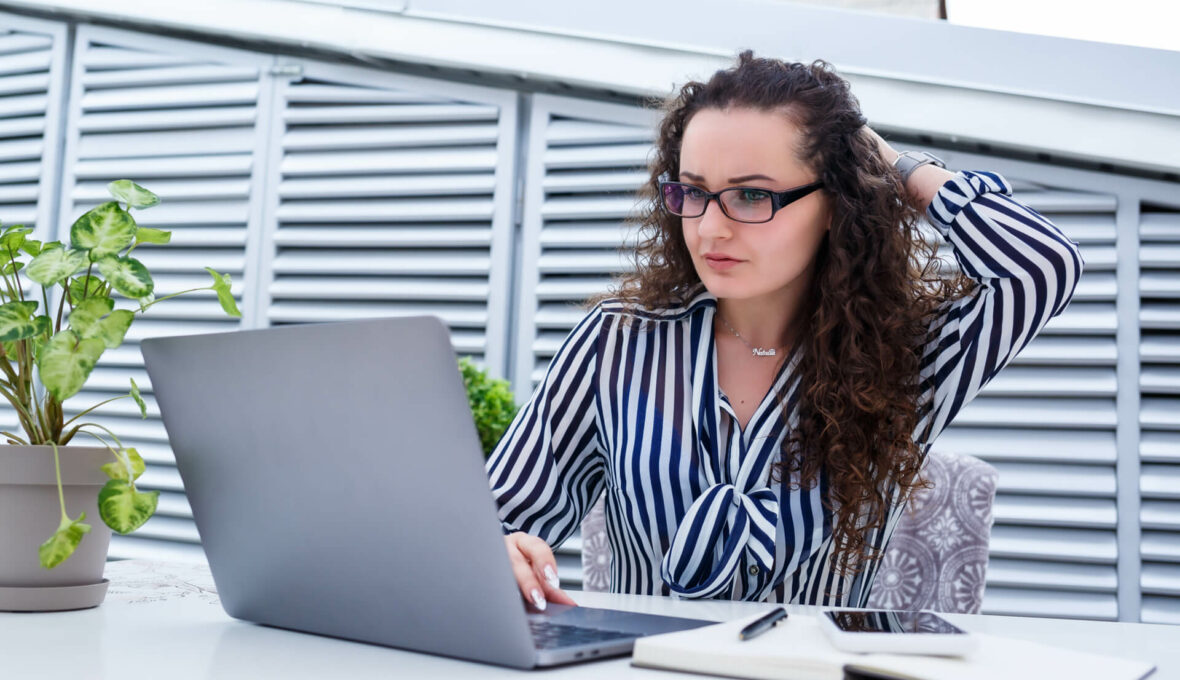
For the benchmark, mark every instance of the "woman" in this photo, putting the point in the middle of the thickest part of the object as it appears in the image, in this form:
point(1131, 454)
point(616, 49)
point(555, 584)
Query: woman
point(756, 399)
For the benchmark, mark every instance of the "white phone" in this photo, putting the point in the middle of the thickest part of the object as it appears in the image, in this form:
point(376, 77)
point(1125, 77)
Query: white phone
point(895, 632)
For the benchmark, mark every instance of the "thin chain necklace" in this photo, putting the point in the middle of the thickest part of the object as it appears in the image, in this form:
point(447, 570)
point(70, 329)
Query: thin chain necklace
point(755, 351)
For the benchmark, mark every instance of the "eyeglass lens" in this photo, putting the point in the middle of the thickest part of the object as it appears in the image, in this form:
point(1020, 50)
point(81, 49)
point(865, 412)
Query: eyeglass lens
point(746, 205)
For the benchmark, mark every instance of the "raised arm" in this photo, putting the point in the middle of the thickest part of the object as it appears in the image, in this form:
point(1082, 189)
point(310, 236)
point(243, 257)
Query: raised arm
point(1026, 271)
point(1025, 268)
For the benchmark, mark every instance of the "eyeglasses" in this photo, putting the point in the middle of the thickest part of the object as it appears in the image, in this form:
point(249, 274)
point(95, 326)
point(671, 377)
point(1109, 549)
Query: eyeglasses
point(741, 204)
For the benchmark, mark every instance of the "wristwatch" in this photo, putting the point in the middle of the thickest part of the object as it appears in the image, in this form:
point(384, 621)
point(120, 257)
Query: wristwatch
point(909, 161)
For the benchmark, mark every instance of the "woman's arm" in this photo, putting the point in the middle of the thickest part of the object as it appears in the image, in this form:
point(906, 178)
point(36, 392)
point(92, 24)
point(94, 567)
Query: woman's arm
point(1025, 270)
point(545, 471)
point(924, 182)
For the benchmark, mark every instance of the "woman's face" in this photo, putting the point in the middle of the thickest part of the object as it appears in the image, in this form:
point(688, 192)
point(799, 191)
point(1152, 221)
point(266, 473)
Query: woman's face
point(749, 148)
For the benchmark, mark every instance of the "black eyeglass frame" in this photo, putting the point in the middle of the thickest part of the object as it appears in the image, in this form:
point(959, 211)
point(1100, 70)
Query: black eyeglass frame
point(778, 199)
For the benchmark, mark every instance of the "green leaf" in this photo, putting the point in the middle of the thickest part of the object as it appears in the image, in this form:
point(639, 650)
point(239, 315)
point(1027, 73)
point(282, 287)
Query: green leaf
point(124, 508)
point(14, 238)
point(221, 284)
point(84, 319)
point(10, 267)
point(128, 459)
point(127, 275)
point(147, 235)
point(492, 404)
point(104, 230)
point(44, 330)
point(44, 326)
point(32, 247)
point(138, 399)
point(113, 329)
point(66, 361)
point(85, 287)
point(53, 265)
point(12, 242)
point(132, 194)
point(93, 318)
point(63, 542)
point(16, 321)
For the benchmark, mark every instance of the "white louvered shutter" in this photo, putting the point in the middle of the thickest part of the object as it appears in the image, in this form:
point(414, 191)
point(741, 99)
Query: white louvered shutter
point(1159, 416)
point(179, 118)
point(32, 77)
point(392, 196)
point(586, 163)
point(1047, 423)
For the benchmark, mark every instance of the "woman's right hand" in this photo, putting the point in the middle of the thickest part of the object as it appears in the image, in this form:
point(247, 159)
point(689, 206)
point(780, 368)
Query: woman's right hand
point(535, 569)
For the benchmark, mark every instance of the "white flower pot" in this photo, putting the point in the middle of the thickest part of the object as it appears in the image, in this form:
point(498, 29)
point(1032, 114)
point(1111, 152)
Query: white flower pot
point(29, 514)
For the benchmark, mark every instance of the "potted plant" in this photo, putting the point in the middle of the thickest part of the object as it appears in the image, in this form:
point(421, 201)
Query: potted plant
point(57, 316)
point(491, 402)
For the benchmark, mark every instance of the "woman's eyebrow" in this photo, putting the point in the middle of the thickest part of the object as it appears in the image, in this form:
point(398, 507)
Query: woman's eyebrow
point(732, 180)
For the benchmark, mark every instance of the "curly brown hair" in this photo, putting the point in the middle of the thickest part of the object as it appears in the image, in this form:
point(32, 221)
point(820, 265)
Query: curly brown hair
point(876, 279)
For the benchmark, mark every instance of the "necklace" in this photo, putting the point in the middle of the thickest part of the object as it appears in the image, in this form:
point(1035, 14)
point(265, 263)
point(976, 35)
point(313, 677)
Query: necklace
point(755, 351)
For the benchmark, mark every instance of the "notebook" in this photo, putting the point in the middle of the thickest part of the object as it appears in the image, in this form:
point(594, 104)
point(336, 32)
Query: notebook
point(798, 649)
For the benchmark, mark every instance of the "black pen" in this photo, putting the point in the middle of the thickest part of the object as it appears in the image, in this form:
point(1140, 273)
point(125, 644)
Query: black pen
point(763, 624)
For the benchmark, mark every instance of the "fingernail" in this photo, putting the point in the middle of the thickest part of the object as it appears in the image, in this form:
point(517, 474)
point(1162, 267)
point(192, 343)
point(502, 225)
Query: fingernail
point(538, 599)
point(551, 576)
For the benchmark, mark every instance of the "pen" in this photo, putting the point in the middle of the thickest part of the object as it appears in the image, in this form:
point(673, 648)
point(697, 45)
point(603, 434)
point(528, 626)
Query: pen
point(763, 624)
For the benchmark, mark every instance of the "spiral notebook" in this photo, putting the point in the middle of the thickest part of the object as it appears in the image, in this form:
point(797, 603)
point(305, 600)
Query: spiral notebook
point(798, 650)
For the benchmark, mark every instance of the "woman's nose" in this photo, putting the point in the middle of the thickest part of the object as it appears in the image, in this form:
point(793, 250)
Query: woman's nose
point(714, 223)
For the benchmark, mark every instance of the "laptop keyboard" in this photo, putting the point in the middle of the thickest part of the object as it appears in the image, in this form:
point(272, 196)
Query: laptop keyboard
point(549, 635)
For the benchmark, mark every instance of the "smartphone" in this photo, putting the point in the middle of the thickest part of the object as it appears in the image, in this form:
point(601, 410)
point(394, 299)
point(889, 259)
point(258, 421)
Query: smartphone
point(895, 632)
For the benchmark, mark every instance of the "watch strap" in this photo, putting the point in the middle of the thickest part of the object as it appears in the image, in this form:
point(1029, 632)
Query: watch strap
point(909, 161)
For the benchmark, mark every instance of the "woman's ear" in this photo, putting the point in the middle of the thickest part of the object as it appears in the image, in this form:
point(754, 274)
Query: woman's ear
point(828, 210)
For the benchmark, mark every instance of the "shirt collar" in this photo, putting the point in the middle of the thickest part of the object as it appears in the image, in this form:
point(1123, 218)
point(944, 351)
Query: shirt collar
point(700, 299)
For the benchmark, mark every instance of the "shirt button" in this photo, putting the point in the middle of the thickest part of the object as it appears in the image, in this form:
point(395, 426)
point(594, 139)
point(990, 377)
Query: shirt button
point(753, 570)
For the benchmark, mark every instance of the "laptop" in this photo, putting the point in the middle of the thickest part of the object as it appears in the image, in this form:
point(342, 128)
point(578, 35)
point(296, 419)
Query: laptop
point(338, 485)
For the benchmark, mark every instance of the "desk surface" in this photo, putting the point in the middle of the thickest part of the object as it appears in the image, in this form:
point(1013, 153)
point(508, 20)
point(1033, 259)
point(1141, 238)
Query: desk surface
point(164, 619)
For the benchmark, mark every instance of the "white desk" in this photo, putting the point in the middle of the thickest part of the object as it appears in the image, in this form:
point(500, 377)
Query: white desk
point(164, 620)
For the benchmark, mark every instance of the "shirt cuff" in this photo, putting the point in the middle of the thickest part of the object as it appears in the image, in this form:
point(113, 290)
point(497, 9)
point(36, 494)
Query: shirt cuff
point(960, 190)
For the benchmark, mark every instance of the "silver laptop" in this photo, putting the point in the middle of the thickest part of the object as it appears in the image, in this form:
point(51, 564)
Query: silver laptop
point(337, 482)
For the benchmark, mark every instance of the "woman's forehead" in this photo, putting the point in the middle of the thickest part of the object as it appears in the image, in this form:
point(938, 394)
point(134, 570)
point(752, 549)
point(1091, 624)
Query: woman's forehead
point(720, 145)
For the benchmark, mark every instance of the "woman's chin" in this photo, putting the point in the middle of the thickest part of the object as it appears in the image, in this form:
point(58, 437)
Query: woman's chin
point(725, 287)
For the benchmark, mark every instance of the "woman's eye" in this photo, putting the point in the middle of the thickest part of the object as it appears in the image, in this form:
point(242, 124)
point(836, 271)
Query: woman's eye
point(753, 196)
point(693, 193)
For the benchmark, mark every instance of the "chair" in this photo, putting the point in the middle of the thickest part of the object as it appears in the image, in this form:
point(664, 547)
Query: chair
point(936, 558)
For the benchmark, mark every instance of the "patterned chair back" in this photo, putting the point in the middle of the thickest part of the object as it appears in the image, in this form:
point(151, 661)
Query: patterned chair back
point(935, 560)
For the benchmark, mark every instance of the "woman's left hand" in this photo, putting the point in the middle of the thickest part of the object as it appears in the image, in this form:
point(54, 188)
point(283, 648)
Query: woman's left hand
point(923, 183)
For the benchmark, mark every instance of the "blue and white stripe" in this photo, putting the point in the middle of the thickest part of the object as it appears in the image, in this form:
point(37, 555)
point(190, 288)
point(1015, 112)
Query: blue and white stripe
point(630, 405)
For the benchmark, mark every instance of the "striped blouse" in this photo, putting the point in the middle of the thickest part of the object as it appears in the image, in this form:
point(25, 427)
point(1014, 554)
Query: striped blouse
point(689, 508)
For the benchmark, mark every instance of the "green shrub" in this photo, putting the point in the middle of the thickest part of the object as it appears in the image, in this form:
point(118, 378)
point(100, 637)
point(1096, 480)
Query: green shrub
point(491, 402)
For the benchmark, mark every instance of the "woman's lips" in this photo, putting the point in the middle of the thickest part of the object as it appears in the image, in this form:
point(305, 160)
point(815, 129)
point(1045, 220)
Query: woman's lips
point(721, 263)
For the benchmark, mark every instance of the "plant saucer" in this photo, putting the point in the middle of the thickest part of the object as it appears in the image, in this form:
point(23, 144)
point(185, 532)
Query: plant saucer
point(52, 598)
